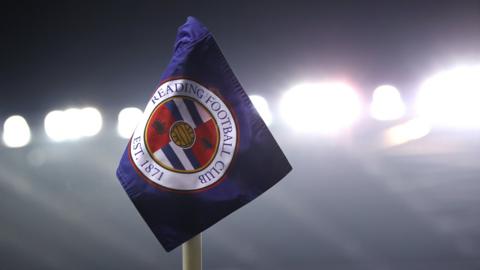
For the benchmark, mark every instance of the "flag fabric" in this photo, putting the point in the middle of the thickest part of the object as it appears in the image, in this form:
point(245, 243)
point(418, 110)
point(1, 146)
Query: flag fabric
point(201, 150)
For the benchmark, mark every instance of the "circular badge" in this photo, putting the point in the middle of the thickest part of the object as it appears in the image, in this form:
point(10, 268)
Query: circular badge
point(186, 139)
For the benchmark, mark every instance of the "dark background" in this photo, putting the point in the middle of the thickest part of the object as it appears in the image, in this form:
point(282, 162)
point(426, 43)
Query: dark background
point(348, 204)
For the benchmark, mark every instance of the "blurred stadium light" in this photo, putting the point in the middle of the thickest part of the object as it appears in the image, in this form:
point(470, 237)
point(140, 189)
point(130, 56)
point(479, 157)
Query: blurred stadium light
point(387, 104)
point(16, 132)
point(323, 108)
point(73, 123)
point(54, 125)
point(451, 98)
point(127, 121)
point(413, 129)
point(262, 107)
point(92, 122)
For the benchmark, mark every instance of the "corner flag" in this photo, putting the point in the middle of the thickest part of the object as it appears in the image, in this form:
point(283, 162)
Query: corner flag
point(201, 150)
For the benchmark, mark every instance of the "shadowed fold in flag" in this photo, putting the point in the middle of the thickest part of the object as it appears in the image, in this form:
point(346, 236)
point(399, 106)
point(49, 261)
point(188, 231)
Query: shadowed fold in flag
point(201, 150)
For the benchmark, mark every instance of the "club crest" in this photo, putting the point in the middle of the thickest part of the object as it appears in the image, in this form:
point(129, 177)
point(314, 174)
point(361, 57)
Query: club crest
point(186, 139)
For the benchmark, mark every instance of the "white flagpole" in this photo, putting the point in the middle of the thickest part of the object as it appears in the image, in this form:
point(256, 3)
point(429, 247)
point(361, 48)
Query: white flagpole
point(192, 253)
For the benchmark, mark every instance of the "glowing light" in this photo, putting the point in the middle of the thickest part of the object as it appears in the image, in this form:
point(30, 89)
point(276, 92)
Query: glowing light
point(92, 122)
point(325, 108)
point(387, 104)
point(73, 124)
point(16, 132)
point(451, 98)
point(262, 107)
point(127, 121)
point(411, 130)
point(53, 124)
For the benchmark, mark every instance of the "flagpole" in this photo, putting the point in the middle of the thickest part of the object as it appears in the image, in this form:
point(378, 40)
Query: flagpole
point(192, 253)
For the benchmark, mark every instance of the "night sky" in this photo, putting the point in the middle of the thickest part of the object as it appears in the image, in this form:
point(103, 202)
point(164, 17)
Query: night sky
point(106, 53)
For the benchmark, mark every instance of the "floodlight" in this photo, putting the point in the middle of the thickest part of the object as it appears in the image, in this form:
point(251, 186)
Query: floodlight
point(16, 132)
point(127, 121)
point(54, 125)
point(91, 121)
point(387, 104)
point(325, 108)
point(73, 123)
point(451, 98)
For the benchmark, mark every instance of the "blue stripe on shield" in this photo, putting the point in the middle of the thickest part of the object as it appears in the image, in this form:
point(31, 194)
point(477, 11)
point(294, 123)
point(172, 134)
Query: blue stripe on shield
point(172, 157)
